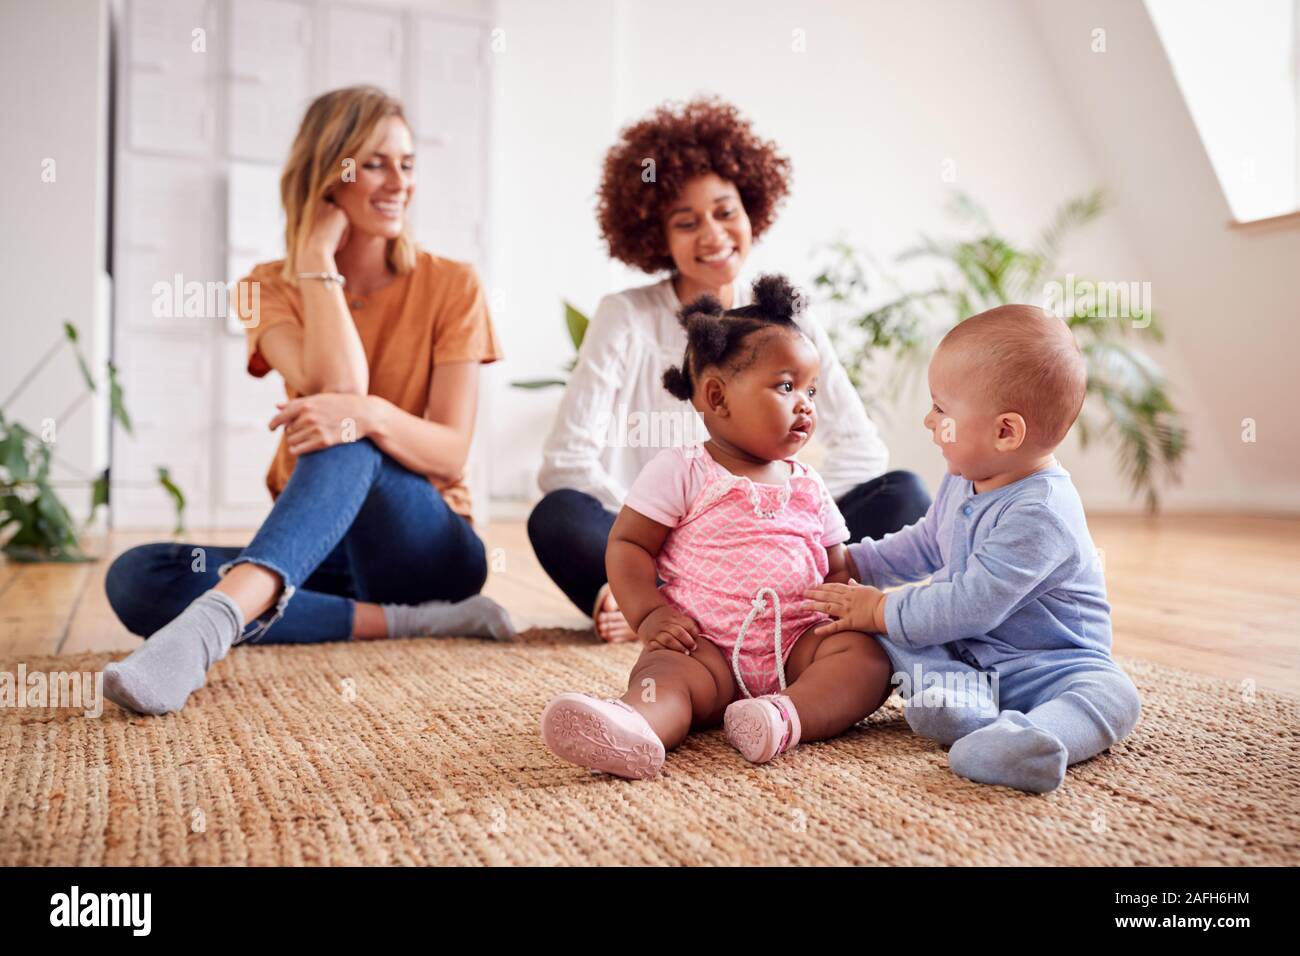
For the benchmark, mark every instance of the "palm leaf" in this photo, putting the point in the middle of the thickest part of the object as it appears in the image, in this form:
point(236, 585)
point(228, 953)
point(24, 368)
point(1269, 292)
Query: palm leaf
point(177, 496)
point(98, 495)
point(70, 333)
point(539, 383)
point(576, 323)
point(965, 209)
point(116, 405)
point(1073, 214)
point(1129, 403)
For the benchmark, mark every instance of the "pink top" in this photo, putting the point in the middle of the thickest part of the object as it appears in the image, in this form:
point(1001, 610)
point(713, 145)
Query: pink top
point(731, 538)
point(674, 478)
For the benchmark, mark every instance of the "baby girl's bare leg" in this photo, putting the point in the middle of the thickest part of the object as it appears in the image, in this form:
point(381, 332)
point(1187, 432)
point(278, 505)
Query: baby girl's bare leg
point(675, 691)
point(836, 680)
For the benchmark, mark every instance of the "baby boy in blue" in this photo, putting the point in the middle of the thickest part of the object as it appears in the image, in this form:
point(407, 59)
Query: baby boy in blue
point(1005, 654)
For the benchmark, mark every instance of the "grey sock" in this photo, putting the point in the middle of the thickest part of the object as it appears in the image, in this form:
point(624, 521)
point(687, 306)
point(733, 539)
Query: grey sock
point(159, 676)
point(1012, 752)
point(477, 616)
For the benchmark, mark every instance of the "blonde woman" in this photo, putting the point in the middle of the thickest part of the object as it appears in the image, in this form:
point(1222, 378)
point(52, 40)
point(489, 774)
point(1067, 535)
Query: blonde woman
point(379, 343)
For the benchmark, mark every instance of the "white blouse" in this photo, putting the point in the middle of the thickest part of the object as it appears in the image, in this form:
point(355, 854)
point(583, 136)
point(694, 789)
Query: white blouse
point(616, 414)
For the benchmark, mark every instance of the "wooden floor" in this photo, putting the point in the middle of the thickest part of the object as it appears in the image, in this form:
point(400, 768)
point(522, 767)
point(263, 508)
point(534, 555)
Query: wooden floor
point(1214, 594)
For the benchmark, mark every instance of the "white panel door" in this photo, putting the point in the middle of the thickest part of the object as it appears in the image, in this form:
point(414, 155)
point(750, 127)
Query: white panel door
point(450, 78)
point(167, 383)
point(169, 89)
point(254, 218)
point(246, 404)
point(450, 106)
point(364, 47)
point(447, 220)
point(167, 209)
point(269, 79)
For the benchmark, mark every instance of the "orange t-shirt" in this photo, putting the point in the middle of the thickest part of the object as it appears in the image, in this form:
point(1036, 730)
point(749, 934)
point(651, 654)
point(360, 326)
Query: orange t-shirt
point(436, 313)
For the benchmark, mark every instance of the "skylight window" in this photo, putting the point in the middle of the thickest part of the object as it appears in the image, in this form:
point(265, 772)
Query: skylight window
point(1236, 64)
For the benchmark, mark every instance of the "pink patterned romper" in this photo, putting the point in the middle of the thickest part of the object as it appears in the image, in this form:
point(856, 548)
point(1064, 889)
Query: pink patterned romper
point(740, 554)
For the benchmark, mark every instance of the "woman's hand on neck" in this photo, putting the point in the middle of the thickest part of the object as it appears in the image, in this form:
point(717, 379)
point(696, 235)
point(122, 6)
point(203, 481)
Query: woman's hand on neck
point(689, 290)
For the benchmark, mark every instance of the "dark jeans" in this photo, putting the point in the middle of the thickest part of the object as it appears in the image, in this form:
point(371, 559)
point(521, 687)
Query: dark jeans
point(351, 525)
point(569, 529)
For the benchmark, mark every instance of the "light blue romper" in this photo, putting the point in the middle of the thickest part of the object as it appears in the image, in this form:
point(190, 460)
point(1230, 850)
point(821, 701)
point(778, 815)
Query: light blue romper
point(1011, 637)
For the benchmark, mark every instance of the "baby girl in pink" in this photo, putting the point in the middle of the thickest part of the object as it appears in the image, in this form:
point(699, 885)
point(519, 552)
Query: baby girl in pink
point(710, 557)
point(739, 554)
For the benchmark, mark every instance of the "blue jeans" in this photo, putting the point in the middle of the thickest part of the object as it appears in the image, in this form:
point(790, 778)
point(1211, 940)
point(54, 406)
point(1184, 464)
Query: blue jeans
point(351, 525)
point(569, 529)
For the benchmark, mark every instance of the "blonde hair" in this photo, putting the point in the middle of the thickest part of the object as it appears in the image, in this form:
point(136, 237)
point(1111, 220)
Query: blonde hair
point(336, 127)
point(1027, 361)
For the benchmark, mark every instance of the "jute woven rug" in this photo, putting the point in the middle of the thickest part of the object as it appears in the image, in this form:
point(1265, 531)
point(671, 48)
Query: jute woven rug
point(426, 752)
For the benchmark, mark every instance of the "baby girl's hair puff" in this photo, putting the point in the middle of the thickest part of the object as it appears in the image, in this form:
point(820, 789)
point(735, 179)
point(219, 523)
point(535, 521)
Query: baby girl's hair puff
point(715, 336)
point(776, 298)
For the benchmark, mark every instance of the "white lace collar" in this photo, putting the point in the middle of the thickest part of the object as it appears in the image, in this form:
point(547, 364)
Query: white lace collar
point(724, 481)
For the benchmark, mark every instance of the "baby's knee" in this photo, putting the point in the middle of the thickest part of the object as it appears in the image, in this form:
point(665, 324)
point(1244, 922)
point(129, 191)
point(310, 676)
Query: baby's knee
point(1113, 698)
point(1124, 704)
point(853, 642)
point(661, 670)
point(862, 660)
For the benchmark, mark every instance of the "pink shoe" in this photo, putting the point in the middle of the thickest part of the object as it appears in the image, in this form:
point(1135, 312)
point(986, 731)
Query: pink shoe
point(605, 735)
point(762, 727)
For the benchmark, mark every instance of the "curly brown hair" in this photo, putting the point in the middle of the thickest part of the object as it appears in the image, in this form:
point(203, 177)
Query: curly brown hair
point(703, 136)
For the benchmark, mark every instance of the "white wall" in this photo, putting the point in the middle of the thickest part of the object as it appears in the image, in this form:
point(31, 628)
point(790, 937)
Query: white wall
point(553, 116)
point(885, 94)
point(53, 105)
point(1229, 296)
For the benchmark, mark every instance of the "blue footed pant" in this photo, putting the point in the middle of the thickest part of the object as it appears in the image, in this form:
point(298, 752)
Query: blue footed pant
point(1021, 722)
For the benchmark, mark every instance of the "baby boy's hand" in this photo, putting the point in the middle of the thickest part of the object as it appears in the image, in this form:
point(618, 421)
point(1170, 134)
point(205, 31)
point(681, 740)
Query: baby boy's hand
point(855, 607)
point(670, 629)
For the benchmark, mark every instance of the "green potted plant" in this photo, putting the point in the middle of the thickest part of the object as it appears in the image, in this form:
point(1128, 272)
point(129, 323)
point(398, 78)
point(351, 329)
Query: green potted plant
point(38, 524)
point(576, 323)
point(1128, 404)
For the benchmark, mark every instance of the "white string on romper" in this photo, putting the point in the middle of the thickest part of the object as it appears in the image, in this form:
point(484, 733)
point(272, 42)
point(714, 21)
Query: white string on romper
point(755, 606)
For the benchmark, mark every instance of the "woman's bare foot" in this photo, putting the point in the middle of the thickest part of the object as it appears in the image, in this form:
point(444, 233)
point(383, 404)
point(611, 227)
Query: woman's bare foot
point(611, 625)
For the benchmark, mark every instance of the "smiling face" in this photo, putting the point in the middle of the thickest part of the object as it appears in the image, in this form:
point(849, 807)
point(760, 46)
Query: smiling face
point(708, 235)
point(377, 202)
point(766, 407)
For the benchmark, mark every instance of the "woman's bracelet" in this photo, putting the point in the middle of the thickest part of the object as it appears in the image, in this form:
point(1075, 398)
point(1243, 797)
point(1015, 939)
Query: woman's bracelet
point(326, 276)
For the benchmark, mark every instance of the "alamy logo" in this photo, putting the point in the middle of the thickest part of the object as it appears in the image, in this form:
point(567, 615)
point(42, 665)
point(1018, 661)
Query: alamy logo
point(1080, 298)
point(976, 690)
point(625, 428)
point(102, 909)
point(181, 299)
point(80, 690)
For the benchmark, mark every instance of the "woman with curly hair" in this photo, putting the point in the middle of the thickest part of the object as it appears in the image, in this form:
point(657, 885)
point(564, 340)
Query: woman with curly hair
point(684, 194)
